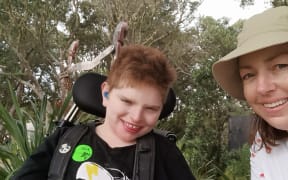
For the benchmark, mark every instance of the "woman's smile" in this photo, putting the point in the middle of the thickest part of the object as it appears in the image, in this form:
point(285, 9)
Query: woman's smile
point(275, 104)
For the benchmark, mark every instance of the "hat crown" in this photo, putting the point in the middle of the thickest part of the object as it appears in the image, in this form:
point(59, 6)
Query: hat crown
point(273, 20)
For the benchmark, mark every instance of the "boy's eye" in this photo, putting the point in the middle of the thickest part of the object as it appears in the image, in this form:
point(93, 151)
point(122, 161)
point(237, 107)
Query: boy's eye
point(152, 109)
point(126, 101)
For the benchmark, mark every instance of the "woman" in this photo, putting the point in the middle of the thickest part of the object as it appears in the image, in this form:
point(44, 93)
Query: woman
point(257, 72)
point(134, 94)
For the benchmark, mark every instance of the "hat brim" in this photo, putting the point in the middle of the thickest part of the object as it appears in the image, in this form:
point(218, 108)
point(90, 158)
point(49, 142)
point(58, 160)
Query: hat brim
point(225, 70)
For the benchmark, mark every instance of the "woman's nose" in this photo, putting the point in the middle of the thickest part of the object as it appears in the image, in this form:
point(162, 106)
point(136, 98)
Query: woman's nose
point(265, 84)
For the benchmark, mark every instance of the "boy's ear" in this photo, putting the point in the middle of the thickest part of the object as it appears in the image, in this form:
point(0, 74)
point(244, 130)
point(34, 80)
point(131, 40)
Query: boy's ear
point(105, 92)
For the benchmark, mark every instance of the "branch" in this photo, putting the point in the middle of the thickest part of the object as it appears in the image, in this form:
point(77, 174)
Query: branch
point(33, 87)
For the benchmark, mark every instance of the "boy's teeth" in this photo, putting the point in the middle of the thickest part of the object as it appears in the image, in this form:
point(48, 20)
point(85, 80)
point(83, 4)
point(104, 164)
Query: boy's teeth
point(131, 126)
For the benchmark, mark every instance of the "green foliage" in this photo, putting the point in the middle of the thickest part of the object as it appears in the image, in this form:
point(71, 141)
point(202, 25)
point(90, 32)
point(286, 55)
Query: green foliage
point(238, 164)
point(32, 46)
point(207, 106)
point(206, 172)
point(34, 40)
point(20, 140)
point(274, 3)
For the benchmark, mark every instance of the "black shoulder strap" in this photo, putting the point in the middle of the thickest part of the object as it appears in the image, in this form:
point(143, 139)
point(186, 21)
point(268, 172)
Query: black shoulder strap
point(144, 154)
point(63, 151)
point(144, 158)
point(168, 134)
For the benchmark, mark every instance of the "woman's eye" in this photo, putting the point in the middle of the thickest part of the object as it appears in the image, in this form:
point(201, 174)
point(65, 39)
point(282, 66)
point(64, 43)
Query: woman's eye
point(281, 66)
point(246, 76)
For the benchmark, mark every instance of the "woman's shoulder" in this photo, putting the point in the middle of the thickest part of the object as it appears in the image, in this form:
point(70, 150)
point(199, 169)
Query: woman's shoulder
point(258, 147)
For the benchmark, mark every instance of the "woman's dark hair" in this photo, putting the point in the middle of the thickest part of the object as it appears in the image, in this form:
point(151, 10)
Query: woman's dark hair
point(268, 134)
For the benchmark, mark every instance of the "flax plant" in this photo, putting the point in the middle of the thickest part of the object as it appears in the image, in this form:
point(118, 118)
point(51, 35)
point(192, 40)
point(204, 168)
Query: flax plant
point(21, 141)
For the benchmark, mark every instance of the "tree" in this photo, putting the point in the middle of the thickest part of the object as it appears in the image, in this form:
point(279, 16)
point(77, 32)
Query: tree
point(35, 38)
point(274, 3)
point(208, 107)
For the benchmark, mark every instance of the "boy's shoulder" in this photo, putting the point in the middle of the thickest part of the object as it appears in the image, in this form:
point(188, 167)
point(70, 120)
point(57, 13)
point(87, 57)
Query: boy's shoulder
point(164, 136)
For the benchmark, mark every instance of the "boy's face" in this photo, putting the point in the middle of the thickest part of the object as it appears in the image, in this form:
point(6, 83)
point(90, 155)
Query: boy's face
point(131, 112)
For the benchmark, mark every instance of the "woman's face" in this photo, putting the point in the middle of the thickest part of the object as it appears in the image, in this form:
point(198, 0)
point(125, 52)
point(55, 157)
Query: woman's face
point(264, 75)
point(132, 112)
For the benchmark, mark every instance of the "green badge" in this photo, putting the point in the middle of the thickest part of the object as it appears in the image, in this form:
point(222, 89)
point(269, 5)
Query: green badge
point(82, 152)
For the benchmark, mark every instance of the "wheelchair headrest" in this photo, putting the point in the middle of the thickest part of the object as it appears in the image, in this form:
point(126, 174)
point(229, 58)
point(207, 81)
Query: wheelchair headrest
point(87, 96)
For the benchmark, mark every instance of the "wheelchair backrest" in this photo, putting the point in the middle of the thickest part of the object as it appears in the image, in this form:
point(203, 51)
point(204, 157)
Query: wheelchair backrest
point(87, 96)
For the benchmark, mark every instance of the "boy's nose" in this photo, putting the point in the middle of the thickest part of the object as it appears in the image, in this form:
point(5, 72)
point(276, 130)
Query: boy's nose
point(136, 114)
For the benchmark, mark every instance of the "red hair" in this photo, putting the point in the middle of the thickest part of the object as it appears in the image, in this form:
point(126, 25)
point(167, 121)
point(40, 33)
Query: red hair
point(140, 65)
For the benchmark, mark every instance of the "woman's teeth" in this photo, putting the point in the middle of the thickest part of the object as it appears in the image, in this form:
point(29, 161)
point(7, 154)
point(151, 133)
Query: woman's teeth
point(275, 104)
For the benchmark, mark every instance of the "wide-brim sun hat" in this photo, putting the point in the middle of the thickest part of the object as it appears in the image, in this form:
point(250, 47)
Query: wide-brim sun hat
point(263, 30)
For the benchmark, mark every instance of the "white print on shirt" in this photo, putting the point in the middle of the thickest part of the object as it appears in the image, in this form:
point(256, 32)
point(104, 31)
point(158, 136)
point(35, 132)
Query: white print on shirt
point(93, 171)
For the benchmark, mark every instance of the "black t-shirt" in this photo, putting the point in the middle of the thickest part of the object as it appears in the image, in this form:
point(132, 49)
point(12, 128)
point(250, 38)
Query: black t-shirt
point(101, 160)
point(92, 157)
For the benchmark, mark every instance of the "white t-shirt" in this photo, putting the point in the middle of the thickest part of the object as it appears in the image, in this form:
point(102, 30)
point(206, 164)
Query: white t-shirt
point(269, 163)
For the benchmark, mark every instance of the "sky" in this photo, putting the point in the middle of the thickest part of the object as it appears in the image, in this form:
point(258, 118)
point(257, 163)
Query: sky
point(231, 10)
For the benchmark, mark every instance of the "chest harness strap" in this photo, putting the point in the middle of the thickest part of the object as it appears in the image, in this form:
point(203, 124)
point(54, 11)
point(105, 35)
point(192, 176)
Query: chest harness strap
point(143, 162)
